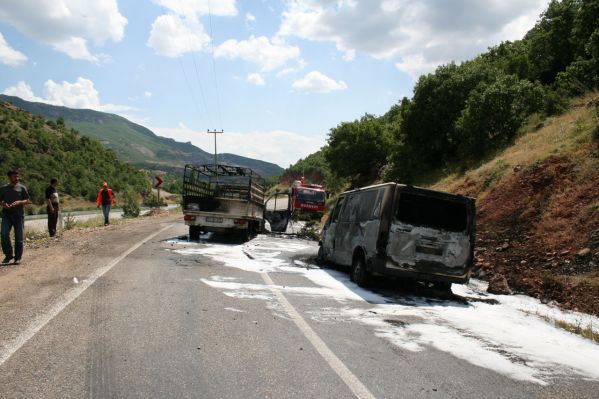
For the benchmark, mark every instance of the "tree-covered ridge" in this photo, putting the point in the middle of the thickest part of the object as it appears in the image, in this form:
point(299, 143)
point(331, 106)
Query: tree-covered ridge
point(41, 149)
point(134, 143)
point(460, 114)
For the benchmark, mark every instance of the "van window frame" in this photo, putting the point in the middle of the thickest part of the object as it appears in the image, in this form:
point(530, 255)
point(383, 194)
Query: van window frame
point(338, 209)
point(348, 213)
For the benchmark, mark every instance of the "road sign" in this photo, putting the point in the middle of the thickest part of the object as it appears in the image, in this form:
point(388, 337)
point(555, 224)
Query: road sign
point(158, 182)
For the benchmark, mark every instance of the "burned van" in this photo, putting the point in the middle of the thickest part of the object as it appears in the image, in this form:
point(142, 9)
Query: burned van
point(403, 231)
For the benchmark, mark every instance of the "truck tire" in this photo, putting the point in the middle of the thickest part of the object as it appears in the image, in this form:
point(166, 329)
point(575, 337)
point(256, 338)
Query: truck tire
point(359, 274)
point(194, 232)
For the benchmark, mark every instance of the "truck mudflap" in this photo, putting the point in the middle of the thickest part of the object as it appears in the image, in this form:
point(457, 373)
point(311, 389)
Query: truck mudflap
point(428, 251)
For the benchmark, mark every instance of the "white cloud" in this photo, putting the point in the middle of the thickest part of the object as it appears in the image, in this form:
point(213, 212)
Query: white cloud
point(79, 94)
point(76, 48)
point(416, 65)
point(317, 82)
point(10, 56)
point(22, 90)
point(173, 35)
point(180, 30)
point(250, 21)
point(301, 64)
point(66, 25)
point(147, 94)
point(277, 146)
point(256, 78)
point(417, 34)
point(197, 8)
point(269, 54)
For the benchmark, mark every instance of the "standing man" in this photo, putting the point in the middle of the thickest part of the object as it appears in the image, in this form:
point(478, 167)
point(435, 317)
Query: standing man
point(52, 206)
point(13, 197)
point(105, 199)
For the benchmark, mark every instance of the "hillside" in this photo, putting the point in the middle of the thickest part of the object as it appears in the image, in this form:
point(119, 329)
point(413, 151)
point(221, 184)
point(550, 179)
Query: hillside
point(41, 149)
point(538, 209)
point(134, 143)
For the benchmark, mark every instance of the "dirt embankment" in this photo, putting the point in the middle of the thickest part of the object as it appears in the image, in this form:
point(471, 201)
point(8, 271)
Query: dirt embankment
point(538, 213)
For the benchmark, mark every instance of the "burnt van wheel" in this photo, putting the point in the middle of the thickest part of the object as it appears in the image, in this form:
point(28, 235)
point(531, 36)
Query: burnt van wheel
point(359, 275)
point(320, 256)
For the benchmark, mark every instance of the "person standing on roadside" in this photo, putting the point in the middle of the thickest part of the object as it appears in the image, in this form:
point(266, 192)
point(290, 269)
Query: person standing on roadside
point(105, 199)
point(52, 206)
point(13, 198)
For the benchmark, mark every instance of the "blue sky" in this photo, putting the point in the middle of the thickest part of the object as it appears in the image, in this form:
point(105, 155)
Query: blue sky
point(275, 75)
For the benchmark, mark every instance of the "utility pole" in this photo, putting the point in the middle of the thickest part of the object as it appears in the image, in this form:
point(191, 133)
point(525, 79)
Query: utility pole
point(215, 132)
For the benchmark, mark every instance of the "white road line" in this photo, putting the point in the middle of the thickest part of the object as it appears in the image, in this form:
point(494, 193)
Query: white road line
point(13, 345)
point(334, 362)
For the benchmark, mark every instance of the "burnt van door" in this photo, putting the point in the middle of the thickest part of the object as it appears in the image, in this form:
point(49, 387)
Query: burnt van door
point(343, 233)
point(328, 242)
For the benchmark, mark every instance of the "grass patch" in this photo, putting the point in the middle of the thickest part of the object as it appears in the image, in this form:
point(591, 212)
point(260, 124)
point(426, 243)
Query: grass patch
point(592, 280)
point(70, 222)
point(588, 331)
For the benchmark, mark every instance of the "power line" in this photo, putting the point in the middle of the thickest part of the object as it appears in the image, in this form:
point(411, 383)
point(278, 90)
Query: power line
point(197, 73)
point(193, 97)
point(214, 66)
point(187, 82)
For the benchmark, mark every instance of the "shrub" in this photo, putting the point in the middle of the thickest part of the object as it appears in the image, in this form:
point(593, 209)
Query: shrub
point(310, 231)
point(68, 222)
point(131, 206)
point(151, 200)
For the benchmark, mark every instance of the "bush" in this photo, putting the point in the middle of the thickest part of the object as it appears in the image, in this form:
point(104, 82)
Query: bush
point(310, 231)
point(69, 222)
point(131, 206)
point(151, 200)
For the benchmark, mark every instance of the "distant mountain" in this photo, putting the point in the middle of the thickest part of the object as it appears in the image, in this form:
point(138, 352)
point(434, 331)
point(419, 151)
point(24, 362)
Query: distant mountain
point(134, 143)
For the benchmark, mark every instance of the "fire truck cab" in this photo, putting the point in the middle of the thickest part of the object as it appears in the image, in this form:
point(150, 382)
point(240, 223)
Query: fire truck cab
point(307, 198)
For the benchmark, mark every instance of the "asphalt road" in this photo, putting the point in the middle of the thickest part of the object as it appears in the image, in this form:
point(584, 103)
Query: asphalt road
point(165, 318)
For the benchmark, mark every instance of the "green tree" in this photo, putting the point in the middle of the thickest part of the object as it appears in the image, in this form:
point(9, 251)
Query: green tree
point(550, 42)
point(358, 148)
point(428, 128)
point(494, 112)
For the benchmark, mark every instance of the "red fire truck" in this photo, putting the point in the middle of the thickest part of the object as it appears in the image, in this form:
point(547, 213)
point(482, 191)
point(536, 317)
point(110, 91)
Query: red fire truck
point(307, 198)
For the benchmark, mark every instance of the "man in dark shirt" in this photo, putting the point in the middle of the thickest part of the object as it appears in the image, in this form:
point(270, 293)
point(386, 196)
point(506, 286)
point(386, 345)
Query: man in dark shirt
point(52, 206)
point(13, 197)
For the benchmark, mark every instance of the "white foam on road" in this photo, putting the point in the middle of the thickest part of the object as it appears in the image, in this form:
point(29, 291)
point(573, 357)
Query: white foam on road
point(511, 337)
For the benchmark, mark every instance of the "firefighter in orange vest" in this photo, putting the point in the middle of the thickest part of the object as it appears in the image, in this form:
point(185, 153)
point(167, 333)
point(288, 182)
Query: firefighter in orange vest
point(105, 199)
